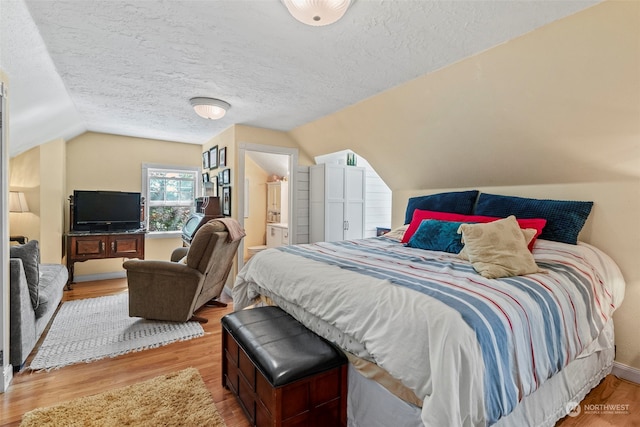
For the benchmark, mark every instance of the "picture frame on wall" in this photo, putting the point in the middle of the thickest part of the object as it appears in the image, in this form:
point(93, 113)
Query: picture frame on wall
point(222, 157)
point(226, 201)
point(226, 177)
point(205, 177)
point(213, 157)
point(220, 178)
point(205, 160)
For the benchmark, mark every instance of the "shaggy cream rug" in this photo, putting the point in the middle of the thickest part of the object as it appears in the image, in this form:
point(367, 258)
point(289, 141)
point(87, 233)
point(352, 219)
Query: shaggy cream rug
point(177, 399)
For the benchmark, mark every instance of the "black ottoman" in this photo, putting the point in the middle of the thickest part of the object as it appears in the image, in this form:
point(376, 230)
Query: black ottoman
point(282, 373)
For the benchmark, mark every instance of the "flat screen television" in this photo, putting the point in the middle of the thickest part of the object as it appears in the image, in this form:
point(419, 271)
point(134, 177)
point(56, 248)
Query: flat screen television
point(106, 211)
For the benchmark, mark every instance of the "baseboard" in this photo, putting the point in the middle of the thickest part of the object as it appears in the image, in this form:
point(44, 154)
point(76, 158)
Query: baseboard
point(100, 276)
point(7, 376)
point(628, 373)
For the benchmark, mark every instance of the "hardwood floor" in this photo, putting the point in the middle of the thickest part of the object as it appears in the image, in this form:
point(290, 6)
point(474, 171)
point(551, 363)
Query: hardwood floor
point(30, 390)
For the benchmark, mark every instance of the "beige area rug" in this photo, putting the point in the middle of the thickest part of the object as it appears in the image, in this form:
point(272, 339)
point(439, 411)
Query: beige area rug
point(177, 399)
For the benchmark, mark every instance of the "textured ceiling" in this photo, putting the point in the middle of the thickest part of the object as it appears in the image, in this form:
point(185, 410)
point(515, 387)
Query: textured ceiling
point(130, 67)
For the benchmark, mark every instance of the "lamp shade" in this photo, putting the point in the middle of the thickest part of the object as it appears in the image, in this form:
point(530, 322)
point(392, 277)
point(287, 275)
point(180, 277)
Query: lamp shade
point(317, 12)
point(17, 202)
point(210, 108)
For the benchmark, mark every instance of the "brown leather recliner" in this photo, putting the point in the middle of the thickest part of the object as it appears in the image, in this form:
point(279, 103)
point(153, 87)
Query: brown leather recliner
point(167, 290)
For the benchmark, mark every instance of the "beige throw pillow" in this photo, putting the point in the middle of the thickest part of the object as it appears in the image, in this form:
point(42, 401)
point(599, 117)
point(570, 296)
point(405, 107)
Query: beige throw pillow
point(397, 233)
point(527, 233)
point(499, 248)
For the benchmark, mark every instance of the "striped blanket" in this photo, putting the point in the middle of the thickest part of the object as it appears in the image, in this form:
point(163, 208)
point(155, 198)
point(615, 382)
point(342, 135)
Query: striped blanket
point(448, 333)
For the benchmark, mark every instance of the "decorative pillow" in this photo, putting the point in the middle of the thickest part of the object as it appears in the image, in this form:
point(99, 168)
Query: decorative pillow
point(397, 233)
point(29, 253)
point(565, 218)
point(498, 249)
point(437, 235)
point(420, 215)
point(457, 202)
point(527, 233)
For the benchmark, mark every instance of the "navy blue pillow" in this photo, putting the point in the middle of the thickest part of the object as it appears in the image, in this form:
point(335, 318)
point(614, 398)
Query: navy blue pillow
point(460, 202)
point(565, 218)
point(435, 235)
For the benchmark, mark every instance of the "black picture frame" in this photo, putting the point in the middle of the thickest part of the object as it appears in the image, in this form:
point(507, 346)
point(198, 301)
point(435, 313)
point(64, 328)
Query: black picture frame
point(205, 160)
point(226, 177)
point(220, 178)
point(213, 157)
point(205, 177)
point(226, 201)
point(222, 157)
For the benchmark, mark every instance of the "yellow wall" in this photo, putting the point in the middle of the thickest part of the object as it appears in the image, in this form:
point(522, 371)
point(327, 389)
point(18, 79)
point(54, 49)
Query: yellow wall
point(24, 175)
point(52, 200)
point(98, 161)
point(254, 135)
point(39, 173)
point(559, 104)
point(256, 224)
point(554, 113)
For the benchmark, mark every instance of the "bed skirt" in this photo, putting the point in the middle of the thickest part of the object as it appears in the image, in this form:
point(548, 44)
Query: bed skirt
point(371, 405)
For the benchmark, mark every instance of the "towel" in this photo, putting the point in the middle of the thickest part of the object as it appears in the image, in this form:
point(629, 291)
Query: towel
point(236, 232)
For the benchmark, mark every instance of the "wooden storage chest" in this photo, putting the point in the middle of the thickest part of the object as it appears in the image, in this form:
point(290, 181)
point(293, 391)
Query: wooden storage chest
point(282, 374)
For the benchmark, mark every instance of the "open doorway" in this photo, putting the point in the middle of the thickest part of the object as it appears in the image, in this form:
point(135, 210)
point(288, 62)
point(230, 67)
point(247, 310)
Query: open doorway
point(264, 171)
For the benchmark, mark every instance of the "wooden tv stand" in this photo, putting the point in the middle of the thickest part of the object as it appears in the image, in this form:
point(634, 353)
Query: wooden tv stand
point(82, 246)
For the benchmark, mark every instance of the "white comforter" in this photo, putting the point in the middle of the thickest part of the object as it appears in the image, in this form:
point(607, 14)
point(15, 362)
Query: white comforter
point(418, 339)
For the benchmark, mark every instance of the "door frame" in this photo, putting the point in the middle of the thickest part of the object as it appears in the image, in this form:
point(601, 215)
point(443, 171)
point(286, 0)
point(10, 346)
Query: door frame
point(243, 148)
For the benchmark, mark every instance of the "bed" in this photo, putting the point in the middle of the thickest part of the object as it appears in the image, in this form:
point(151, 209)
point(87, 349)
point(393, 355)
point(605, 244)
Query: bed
point(433, 342)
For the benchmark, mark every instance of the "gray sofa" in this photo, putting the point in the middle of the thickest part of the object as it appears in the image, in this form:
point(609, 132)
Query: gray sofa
point(35, 293)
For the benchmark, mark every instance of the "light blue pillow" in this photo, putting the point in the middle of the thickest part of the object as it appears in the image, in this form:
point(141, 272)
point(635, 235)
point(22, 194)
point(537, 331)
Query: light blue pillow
point(435, 235)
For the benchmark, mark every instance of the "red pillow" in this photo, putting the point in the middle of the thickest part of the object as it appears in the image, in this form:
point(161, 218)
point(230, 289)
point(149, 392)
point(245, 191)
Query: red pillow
point(419, 215)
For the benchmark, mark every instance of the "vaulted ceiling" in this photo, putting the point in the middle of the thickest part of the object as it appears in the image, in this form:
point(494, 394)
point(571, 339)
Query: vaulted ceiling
point(130, 67)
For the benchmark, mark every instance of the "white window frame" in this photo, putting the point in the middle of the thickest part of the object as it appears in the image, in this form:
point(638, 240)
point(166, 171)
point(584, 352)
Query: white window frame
point(146, 168)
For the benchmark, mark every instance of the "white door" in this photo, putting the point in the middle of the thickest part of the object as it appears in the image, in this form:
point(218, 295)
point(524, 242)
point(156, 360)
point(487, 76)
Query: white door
point(335, 203)
point(354, 203)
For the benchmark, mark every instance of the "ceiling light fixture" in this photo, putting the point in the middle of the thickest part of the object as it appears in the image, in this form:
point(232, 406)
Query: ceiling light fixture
point(210, 108)
point(317, 12)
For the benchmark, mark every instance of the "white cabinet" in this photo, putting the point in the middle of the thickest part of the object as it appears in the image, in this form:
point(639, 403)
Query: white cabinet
point(277, 235)
point(278, 202)
point(336, 202)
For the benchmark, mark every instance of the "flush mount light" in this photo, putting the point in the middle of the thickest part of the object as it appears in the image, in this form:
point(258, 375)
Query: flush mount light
point(210, 108)
point(317, 12)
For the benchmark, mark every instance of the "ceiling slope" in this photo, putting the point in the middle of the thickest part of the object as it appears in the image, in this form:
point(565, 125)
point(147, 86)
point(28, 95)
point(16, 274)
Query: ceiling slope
point(130, 67)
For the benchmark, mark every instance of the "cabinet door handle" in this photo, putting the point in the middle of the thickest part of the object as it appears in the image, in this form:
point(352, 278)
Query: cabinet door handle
point(113, 246)
point(101, 246)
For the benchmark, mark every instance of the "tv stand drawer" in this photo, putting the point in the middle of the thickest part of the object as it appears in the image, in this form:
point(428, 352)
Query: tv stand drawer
point(87, 246)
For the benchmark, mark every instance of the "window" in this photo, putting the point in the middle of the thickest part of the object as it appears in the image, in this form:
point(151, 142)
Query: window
point(170, 193)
